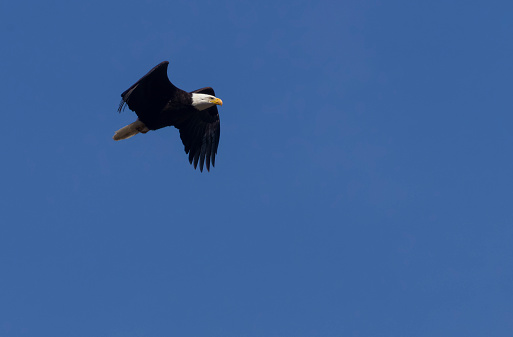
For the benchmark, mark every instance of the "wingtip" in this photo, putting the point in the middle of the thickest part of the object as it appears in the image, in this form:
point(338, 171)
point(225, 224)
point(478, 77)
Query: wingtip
point(121, 106)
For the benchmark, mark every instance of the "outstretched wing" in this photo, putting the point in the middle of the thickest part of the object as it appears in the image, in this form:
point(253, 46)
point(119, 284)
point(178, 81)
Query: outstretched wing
point(150, 94)
point(200, 133)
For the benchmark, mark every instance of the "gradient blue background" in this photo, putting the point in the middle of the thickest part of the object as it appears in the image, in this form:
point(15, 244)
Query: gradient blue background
point(363, 184)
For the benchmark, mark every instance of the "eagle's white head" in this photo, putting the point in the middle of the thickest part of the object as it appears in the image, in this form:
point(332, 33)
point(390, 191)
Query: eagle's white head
point(203, 101)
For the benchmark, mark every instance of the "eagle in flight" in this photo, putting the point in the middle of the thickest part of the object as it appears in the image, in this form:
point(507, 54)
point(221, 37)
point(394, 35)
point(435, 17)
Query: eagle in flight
point(158, 103)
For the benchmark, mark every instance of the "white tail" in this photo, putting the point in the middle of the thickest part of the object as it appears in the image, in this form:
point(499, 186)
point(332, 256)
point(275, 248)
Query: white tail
point(130, 130)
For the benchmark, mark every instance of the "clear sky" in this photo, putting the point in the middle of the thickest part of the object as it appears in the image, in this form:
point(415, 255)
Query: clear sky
point(363, 183)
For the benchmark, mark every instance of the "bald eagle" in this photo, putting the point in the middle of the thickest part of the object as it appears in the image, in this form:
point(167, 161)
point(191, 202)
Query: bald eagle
point(158, 103)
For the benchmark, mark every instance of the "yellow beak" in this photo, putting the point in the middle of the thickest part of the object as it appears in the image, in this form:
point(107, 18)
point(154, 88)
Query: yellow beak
point(217, 101)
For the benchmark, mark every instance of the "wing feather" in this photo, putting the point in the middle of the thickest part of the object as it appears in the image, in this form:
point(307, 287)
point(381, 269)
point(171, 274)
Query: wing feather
point(208, 147)
point(150, 94)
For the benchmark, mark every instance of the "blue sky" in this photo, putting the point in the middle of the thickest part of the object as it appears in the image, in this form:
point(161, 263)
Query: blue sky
point(363, 183)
